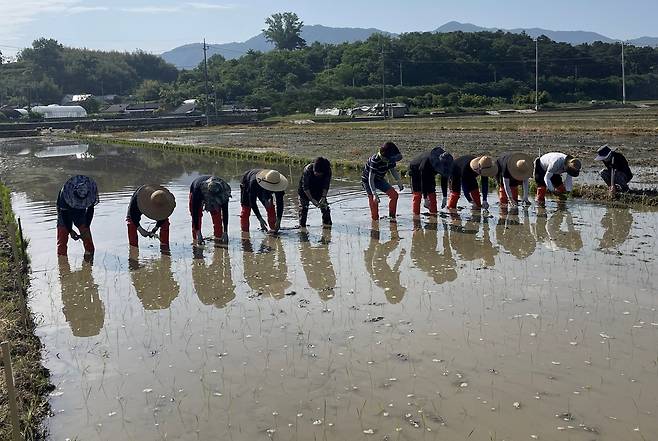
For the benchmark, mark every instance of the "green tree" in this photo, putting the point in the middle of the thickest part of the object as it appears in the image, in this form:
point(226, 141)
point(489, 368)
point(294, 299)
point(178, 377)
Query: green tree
point(284, 30)
point(149, 90)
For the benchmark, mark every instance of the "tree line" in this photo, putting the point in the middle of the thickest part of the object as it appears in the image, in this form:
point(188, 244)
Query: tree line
point(424, 70)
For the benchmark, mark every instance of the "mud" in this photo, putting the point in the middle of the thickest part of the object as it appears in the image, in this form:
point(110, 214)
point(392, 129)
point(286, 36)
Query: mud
point(504, 325)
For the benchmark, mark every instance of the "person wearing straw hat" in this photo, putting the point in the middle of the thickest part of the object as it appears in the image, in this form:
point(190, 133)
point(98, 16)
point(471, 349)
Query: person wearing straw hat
point(75, 206)
point(616, 174)
point(212, 194)
point(464, 174)
point(156, 203)
point(514, 169)
point(313, 188)
point(265, 186)
point(548, 174)
point(423, 170)
point(374, 178)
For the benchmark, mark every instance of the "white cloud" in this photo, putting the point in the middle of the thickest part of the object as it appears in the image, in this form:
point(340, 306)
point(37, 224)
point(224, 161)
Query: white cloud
point(83, 9)
point(152, 9)
point(199, 5)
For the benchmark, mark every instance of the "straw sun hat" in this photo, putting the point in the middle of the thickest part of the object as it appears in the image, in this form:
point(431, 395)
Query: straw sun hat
point(484, 166)
point(573, 166)
point(80, 192)
point(520, 166)
point(272, 180)
point(155, 202)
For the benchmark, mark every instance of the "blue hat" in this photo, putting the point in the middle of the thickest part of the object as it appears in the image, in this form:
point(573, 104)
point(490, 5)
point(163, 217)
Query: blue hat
point(441, 161)
point(604, 153)
point(80, 192)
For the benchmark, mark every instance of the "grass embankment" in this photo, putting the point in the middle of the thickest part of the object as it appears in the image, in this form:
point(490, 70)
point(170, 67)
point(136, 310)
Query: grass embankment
point(17, 326)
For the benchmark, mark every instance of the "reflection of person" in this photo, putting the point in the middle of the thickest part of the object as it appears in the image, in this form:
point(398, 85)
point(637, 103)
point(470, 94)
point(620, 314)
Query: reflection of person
point(214, 283)
point(515, 236)
point(317, 264)
point(382, 274)
point(373, 178)
point(156, 203)
point(313, 188)
point(514, 169)
point(617, 224)
point(154, 282)
point(423, 170)
point(265, 270)
point(548, 174)
point(212, 194)
point(82, 306)
point(264, 186)
point(616, 174)
point(464, 240)
point(570, 239)
point(465, 171)
point(75, 206)
point(424, 254)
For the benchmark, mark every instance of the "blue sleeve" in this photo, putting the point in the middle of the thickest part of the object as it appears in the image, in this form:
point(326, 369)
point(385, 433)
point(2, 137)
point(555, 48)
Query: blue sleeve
point(484, 184)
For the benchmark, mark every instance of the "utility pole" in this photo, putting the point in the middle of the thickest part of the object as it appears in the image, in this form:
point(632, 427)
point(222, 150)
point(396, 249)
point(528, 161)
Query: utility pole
point(401, 74)
point(623, 74)
point(537, 74)
point(383, 81)
point(205, 73)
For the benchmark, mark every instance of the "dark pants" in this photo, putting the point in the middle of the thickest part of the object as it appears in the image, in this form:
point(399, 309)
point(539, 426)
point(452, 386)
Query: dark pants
point(164, 234)
point(540, 174)
point(422, 184)
point(621, 179)
point(65, 221)
point(304, 203)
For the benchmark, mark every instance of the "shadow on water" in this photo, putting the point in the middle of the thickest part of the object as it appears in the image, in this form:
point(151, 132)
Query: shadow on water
point(376, 259)
point(316, 262)
point(213, 281)
point(153, 280)
point(82, 305)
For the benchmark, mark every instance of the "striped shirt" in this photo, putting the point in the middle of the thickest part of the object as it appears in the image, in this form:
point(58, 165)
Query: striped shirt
point(378, 165)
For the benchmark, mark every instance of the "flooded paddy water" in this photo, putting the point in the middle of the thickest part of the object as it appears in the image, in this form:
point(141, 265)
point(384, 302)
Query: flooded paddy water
point(541, 324)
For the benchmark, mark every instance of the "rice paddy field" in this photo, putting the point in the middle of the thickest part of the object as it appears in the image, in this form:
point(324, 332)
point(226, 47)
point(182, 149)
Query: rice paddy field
point(501, 325)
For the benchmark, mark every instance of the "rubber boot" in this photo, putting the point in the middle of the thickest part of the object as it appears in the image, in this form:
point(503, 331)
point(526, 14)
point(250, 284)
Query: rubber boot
point(132, 233)
point(217, 225)
point(475, 197)
point(271, 216)
point(392, 203)
point(374, 207)
point(452, 200)
point(540, 199)
point(87, 240)
point(502, 195)
point(326, 216)
point(561, 189)
point(433, 204)
point(415, 203)
point(303, 215)
point(244, 218)
point(515, 193)
point(62, 241)
point(164, 237)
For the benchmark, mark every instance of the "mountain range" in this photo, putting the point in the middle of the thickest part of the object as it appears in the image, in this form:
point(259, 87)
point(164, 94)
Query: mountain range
point(190, 55)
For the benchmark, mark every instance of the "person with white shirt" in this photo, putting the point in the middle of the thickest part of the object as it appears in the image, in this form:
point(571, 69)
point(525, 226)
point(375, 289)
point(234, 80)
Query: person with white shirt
point(548, 174)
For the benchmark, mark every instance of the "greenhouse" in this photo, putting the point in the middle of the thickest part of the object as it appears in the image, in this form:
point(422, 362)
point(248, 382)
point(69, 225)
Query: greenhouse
point(56, 111)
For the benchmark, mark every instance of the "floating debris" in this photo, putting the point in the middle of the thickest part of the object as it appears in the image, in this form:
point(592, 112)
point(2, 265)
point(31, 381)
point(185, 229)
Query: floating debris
point(369, 432)
point(374, 319)
point(516, 405)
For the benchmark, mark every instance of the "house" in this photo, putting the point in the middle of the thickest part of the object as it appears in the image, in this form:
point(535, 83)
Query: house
point(142, 109)
point(189, 107)
point(115, 109)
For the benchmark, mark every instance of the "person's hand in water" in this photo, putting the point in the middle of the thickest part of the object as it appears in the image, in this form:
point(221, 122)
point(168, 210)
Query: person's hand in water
point(143, 232)
point(74, 235)
point(263, 225)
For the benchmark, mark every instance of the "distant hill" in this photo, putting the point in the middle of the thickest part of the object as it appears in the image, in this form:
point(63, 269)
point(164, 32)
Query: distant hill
point(190, 55)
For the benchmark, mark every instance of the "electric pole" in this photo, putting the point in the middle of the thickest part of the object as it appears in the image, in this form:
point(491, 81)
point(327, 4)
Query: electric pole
point(537, 74)
point(623, 75)
point(205, 73)
point(383, 81)
point(400, 73)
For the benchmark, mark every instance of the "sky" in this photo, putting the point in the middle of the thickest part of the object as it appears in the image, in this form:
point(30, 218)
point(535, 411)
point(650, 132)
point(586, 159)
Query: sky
point(159, 25)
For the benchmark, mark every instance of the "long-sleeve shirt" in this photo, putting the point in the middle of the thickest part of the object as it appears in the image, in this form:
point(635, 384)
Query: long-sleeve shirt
point(135, 214)
point(618, 162)
point(505, 178)
point(196, 203)
point(316, 185)
point(63, 206)
point(554, 163)
point(376, 168)
point(254, 193)
point(423, 163)
point(464, 177)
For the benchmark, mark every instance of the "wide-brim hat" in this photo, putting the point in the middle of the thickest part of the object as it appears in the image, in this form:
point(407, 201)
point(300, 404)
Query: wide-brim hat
point(216, 192)
point(484, 166)
point(573, 166)
point(520, 166)
point(155, 202)
point(80, 192)
point(441, 161)
point(604, 152)
point(272, 180)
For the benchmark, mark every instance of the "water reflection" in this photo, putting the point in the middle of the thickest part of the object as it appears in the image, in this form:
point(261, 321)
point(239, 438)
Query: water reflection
point(440, 266)
point(153, 280)
point(617, 224)
point(376, 260)
point(514, 233)
point(466, 243)
point(550, 231)
point(213, 283)
point(82, 306)
point(317, 264)
point(265, 268)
